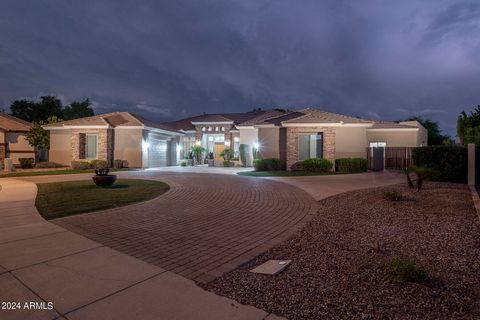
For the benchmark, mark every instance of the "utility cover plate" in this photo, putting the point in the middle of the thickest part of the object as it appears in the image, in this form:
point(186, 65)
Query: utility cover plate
point(272, 267)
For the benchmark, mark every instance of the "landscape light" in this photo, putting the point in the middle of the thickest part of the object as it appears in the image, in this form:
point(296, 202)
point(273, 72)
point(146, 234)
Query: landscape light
point(256, 145)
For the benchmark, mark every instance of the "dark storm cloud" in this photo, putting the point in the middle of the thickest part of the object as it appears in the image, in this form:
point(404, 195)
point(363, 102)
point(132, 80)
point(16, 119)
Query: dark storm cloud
point(168, 59)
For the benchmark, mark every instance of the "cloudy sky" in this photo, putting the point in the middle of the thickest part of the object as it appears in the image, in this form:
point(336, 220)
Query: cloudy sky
point(173, 58)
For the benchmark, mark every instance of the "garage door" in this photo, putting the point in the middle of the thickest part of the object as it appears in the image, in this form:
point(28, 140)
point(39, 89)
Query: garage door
point(157, 153)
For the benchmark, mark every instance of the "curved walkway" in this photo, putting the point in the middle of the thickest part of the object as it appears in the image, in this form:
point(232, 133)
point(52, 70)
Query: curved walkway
point(206, 225)
point(76, 278)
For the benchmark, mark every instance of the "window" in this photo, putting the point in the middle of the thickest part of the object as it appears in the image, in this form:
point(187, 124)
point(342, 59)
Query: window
point(310, 146)
point(236, 146)
point(92, 146)
point(378, 144)
point(188, 143)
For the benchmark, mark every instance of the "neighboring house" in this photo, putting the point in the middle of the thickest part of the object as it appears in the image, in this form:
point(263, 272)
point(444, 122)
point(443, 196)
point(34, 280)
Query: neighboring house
point(12, 139)
point(296, 136)
point(117, 135)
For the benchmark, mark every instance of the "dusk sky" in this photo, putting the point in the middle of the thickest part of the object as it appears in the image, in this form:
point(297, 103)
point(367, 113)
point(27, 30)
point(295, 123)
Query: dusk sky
point(170, 59)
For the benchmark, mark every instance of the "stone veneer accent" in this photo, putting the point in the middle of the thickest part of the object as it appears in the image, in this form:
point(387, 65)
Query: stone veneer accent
point(292, 142)
point(3, 153)
point(227, 135)
point(105, 144)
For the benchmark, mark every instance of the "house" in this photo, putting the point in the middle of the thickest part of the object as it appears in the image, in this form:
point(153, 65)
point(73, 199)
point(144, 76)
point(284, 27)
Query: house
point(117, 135)
point(297, 135)
point(13, 143)
point(291, 136)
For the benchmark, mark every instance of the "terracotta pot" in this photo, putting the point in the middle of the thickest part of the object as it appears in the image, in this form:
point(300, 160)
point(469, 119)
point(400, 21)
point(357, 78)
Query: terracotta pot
point(104, 181)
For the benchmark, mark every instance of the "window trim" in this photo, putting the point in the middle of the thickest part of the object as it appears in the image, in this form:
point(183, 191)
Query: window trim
point(310, 134)
point(86, 146)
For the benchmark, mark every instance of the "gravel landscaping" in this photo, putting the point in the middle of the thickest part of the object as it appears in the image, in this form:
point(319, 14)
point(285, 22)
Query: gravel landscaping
point(340, 260)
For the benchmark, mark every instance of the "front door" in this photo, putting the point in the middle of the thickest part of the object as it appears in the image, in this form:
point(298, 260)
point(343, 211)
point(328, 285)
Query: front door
point(218, 149)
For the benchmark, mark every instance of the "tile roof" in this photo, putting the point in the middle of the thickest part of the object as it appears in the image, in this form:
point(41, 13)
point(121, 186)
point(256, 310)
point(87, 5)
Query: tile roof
point(10, 123)
point(114, 119)
point(261, 118)
point(311, 115)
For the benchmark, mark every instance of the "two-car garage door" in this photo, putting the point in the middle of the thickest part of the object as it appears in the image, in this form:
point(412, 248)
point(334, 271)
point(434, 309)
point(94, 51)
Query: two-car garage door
point(157, 153)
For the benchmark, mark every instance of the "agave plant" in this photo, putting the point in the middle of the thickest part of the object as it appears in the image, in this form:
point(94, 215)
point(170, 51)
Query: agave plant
point(415, 176)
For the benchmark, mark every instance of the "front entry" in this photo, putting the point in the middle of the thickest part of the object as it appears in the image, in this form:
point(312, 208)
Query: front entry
point(218, 150)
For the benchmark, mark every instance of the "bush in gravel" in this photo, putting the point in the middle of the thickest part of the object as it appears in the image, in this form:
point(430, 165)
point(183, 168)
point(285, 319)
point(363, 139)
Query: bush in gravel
point(183, 164)
point(48, 164)
point(407, 271)
point(317, 165)
point(26, 162)
point(351, 165)
point(393, 195)
point(80, 165)
point(449, 162)
point(269, 164)
point(416, 175)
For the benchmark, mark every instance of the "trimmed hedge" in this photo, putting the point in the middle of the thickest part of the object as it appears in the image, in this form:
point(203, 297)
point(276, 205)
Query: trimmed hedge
point(449, 163)
point(270, 164)
point(351, 165)
point(26, 163)
point(317, 165)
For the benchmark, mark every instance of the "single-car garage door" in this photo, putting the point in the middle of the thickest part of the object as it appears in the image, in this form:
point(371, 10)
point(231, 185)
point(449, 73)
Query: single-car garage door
point(157, 153)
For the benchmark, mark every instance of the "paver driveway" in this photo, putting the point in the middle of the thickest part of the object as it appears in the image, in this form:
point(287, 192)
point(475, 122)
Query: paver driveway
point(207, 224)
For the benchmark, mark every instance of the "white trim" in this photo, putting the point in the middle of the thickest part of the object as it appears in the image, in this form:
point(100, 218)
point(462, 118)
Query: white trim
point(188, 131)
point(172, 133)
point(130, 127)
point(76, 127)
point(245, 127)
point(394, 129)
point(212, 122)
point(327, 124)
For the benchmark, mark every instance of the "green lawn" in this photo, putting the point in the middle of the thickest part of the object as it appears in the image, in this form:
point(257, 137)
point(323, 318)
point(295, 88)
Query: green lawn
point(51, 172)
point(282, 173)
point(61, 199)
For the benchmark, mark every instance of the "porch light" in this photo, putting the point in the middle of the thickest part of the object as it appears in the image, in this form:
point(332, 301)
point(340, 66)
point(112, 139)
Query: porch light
point(179, 146)
point(227, 143)
point(145, 145)
point(256, 146)
point(198, 143)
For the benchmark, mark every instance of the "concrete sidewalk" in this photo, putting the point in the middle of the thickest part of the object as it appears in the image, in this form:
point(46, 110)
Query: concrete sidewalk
point(44, 263)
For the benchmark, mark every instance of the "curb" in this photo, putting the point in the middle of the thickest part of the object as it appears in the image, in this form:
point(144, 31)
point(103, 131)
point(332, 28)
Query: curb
point(476, 199)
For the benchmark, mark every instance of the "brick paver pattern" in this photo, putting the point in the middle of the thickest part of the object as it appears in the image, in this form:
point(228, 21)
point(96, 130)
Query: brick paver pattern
point(204, 226)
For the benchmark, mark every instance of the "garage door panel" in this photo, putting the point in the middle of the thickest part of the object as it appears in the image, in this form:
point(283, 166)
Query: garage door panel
point(157, 153)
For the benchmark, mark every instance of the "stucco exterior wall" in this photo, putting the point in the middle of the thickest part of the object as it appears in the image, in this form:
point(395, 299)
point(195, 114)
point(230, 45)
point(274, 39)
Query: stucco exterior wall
point(249, 136)
point(128, 146)
point(60, 147)
point(395, 138)
point(18, 146)
point(350, 142)
point(293, 143)
point(268, 140)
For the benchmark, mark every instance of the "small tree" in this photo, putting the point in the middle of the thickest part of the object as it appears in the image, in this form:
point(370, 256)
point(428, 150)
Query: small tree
point(38, 137)
point(197, 153)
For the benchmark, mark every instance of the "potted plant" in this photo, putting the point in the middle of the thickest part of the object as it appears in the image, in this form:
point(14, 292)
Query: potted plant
point(210, 160)
point(102, 178)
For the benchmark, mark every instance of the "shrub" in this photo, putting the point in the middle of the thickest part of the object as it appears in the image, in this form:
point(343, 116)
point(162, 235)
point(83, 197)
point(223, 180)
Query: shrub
point(297, 166)
point(227, 154)
point(183, 163)
point(118, 164)
point(243, 153)
point(270, 164)
point(317, 165)
point(421, 173)
point(227, 163)
point(393, 195)
point(449, 163)
point(407, 271)
point(351, 165)
point(26, 162)
point(48, 164)
point(98, 164)
point(80, 165)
